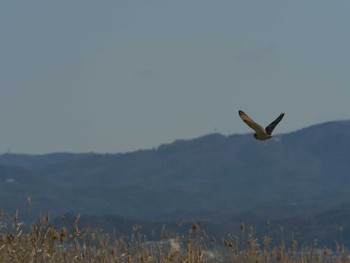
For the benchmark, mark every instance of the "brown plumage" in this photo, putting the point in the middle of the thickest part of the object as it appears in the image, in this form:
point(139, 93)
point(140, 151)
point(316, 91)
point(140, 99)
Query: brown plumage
point(260, 132)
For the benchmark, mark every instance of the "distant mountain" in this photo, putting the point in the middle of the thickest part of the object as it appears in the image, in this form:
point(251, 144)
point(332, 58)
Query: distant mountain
point(303, 173)
point(37, 161)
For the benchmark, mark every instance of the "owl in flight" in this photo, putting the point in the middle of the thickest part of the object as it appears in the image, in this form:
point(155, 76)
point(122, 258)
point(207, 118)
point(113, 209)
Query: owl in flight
point(260, 132)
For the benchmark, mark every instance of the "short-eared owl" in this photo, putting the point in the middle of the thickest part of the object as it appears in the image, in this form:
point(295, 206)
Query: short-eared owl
point(260, 132)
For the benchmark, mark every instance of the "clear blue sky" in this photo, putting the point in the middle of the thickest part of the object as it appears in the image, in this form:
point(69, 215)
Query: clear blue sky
point(117, 76)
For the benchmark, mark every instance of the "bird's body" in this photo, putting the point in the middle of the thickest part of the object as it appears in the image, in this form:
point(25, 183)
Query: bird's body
point(260, 133)
point(262, 136)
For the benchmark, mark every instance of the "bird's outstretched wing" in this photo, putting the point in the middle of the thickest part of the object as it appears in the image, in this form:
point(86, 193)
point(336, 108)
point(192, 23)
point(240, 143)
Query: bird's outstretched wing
point(273, 124)
point(256, 127)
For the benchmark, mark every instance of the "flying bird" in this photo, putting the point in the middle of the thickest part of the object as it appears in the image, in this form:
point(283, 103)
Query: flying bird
point(260, 132)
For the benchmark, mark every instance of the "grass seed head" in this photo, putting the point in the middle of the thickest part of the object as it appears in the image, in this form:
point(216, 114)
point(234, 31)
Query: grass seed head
point(63, 234)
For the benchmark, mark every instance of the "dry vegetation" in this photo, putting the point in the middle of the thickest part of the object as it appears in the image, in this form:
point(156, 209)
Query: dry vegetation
point(43, 243)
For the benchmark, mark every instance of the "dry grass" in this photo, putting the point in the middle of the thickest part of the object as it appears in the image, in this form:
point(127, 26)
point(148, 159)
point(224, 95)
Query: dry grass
point(43, 243)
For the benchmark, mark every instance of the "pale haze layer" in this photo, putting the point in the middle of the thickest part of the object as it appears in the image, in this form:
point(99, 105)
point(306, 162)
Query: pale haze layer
point(117, 76)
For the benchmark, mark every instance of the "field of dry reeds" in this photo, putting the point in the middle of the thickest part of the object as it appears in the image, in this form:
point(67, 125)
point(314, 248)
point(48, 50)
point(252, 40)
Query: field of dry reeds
point(41, 242)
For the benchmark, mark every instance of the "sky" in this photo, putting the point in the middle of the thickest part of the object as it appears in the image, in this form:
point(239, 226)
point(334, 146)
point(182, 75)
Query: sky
point(119, 76)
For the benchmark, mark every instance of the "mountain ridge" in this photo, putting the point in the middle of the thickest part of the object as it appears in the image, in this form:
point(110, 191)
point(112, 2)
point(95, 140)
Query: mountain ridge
point(213, 174)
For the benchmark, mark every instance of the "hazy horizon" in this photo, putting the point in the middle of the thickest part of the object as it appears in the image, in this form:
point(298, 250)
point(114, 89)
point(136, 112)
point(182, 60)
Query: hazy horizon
point(109, 77)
